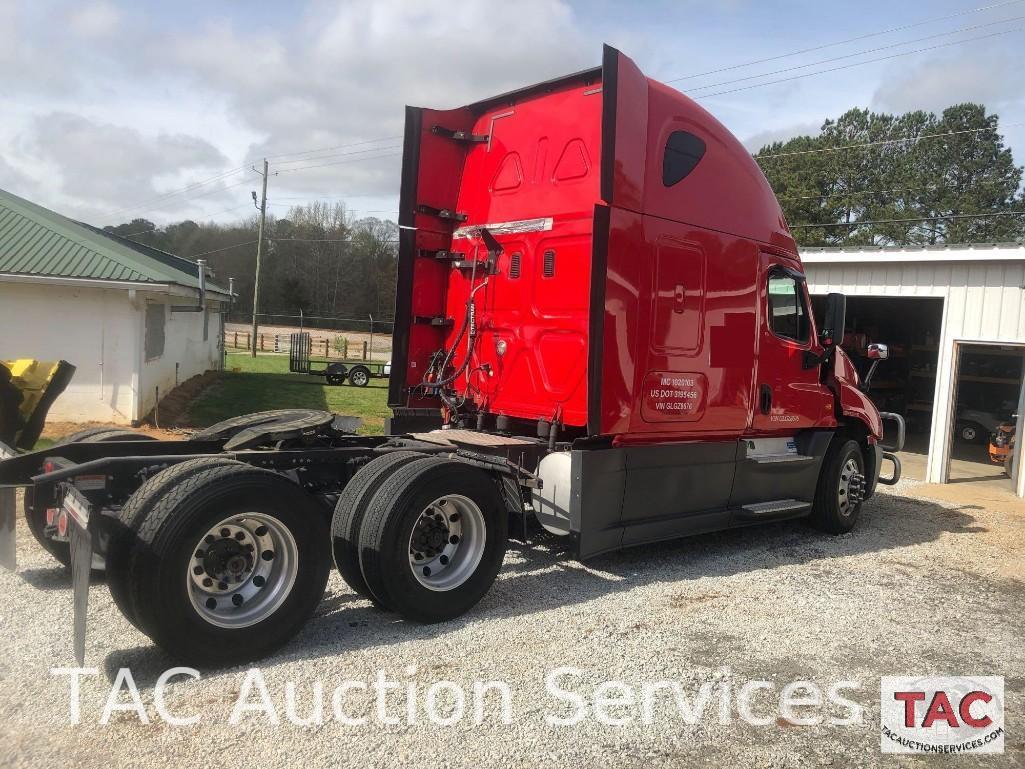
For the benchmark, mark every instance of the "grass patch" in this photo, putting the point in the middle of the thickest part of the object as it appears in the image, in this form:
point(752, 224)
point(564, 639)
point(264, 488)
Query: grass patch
point(263, 383)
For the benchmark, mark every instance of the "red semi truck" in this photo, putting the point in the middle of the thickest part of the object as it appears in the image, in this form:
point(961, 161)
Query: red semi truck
point(602, 327)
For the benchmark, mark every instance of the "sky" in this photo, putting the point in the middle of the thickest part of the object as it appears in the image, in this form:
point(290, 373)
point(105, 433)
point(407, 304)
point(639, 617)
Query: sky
point(111, 111)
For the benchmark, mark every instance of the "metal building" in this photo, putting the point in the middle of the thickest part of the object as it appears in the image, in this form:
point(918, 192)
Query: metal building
point(955, 319)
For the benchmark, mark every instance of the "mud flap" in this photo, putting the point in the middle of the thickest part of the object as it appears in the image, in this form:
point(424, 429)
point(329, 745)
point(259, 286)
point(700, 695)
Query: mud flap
point(8, 519)
point(77, 509)
point(8, 529)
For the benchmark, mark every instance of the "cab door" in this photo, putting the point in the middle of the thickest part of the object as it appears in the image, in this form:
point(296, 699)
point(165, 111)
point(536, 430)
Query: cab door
point(789, 394)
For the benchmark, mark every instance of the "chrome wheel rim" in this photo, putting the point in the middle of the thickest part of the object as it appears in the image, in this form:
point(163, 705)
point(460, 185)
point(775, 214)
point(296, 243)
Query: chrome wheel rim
point(242, 570)
point(447, 542)
point(359, 378)
point(851, 488)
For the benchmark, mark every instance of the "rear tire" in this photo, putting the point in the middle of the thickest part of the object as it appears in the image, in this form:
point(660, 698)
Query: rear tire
point(36, 519)
point(403, 561)
point(276, 591)
point(335, 374)
point(840, 490)
point(350, 512)
point(122, 545)
point(359, 376)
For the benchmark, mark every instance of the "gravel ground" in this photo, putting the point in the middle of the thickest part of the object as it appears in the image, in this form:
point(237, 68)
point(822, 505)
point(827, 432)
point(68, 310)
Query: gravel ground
point(920, 587)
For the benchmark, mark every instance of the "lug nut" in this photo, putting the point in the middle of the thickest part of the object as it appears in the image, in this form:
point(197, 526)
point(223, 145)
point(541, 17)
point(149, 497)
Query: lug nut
point(225, 533)
point(200, 554)
point(208, 582)
point(239, 536)
point(197, 569)
point(222, 585)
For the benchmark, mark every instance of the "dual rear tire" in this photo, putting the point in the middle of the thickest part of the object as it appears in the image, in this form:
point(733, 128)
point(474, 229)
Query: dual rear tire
point(422, 536)
point(219, 562)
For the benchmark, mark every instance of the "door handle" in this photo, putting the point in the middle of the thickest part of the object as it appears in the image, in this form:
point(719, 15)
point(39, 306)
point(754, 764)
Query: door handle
point(678, 296)
point(765, 398)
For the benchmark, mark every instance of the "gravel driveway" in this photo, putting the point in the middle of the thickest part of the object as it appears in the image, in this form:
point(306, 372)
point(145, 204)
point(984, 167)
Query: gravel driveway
point(920, 587)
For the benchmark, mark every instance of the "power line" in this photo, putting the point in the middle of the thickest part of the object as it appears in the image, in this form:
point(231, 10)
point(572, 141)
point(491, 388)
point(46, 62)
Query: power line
point(339, 162)
point(339, 155)
point(857, 53)
point(140, 211)
point(324, 240)
point(172, 193)
point(883, 142)
point(859, 63)
point(844, 42)
point(225, 248)
point(343, 146)
point(859, 223)
point(858, 193)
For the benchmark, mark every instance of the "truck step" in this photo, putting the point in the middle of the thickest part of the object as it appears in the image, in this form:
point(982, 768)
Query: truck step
point(776, 507)
point(768, 459)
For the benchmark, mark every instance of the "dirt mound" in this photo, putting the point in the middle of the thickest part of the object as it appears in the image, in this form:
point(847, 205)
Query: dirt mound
point(171, 410)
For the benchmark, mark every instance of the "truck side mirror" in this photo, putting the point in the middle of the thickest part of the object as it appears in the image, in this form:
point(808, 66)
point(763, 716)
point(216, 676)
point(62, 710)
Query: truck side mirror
point(831, 333)
point(878, 352)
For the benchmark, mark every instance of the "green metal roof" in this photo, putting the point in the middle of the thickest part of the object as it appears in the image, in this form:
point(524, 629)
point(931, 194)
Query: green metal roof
point(37, 241)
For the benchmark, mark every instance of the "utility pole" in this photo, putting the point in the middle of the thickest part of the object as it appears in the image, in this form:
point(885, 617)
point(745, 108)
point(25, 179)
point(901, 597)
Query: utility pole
point(259, 250)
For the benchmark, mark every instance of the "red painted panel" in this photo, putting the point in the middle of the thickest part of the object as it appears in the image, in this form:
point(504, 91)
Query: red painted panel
point(680, 299)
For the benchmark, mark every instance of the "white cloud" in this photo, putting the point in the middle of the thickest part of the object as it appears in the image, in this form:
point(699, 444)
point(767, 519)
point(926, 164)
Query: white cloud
point(758, 140)
point(346, 74)
point(105, 166)
point(990, 77)
point(94, 20)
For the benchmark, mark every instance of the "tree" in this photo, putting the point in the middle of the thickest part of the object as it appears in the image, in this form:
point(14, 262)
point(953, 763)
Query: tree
point(319, 260)
point(891, 183)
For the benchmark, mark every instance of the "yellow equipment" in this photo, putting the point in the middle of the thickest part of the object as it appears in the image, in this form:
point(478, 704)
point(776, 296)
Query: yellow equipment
point(28, 389)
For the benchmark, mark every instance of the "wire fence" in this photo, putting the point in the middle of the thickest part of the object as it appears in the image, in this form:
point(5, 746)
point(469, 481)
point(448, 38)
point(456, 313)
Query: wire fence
point(365, 325)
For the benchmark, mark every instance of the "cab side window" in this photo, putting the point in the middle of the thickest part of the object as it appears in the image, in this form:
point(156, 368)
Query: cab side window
point(788, 315)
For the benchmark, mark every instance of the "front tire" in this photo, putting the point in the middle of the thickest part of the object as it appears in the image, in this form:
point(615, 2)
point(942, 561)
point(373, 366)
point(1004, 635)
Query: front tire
point(232, 562)
point(359, 376)
point(840, 490)
point(434, 538)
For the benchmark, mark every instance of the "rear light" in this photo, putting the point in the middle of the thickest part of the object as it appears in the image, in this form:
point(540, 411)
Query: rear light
point(47, 467)
point(51, 515)
point(62, 524)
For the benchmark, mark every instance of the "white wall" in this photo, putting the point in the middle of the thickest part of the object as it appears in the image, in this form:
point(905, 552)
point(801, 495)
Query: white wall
point(94, 329)
point(183, 345)
point(984, 302)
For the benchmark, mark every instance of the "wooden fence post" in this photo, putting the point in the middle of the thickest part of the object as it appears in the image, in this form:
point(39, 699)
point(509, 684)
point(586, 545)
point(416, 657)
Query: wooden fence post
point(364, 349)
point(326, 353)
point(249, 342)
point(235, 344)
point(345, 348)
point(261, 342)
